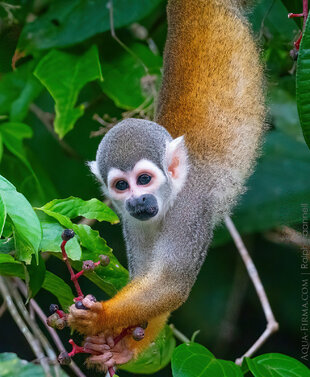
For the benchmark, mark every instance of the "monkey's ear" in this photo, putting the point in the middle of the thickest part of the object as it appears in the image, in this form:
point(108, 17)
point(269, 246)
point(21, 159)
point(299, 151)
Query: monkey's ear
point(176, 160)
point(94, 169)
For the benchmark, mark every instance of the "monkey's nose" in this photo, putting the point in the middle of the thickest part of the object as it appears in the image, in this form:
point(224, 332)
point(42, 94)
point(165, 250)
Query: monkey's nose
point(142, 207)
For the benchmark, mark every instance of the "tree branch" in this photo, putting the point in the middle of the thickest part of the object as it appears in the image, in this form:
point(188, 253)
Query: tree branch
point(47, 119)
point(272, 324)
point(36, 348)
point(22, 287)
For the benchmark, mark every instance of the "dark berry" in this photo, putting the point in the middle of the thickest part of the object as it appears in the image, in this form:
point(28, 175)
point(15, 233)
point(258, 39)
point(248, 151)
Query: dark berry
point(138, 333)
point(67, 234)
point(104, 260)
point(144, 325)
point(88, 265)
point(51, 320)
point(61, 323)
point(53, 308)
point(79, 305)
point(294, 54)
point(64, 358)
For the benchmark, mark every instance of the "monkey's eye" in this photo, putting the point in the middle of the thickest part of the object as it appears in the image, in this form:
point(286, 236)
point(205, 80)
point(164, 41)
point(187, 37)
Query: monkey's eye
point(122, 185)
point(144, 179)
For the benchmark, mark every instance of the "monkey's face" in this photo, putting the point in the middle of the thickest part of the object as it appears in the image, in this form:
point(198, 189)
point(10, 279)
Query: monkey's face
point(147, 191)
point(138, 192)
point(141, 168)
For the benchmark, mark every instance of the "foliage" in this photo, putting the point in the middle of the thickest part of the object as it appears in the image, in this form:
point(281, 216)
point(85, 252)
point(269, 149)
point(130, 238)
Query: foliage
point(69, 72)
point(11, 366)
point(303, 87)
point(192, 359)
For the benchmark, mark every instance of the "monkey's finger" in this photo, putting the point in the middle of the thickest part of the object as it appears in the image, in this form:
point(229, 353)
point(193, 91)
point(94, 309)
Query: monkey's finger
point(97, 339)
point(78, 312)
point(90, 304)
point(123, 358)
point(102, 348)
point(100, 359)
point(110, 363)
point(110, 341)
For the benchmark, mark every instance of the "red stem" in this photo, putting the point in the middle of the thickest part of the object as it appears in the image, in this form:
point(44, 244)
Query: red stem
point(60, 313)
point(77, 349)
point(304, 14)
point(72, 274)
point(78, 274)
point(123, 333)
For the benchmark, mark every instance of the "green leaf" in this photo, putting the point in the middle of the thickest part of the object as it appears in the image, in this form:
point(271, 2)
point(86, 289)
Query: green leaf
point(27, 228)
point(30, 92)
point(58, 288)
point(276, 365)
point(11, 366)
point(69, 22)
point(193, 360)
point(303, 83)
point(35, 276)
point(91, 209)
point(294, 6)
point(8, 229)
point(1, 147)
point(2, 215)
point(52, 283)
point(156, 356)
point(110, 278)
point(12, 136)
point(6, 258)
point(6, 245)
point(277, 203)
point(11, 85)
point(129, 74)
point(272, 17)
point(51, 240)
point(64, 75)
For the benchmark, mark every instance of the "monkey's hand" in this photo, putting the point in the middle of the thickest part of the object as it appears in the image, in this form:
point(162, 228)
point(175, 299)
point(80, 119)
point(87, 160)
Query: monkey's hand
point(109, 353)
point(89, 321)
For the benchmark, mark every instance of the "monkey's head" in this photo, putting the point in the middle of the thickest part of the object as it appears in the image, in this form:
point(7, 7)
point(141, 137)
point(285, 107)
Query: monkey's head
point(141, 168)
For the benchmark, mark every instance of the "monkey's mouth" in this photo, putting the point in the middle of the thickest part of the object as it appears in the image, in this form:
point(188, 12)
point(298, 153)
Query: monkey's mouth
point(145, 214)
point(142, 208)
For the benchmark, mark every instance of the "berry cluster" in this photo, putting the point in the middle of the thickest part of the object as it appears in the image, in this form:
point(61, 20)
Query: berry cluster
point(58, 318)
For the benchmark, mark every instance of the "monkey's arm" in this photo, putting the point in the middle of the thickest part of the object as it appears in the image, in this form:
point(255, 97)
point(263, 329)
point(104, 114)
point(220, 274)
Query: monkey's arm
point(167, 281)
point(141, 300)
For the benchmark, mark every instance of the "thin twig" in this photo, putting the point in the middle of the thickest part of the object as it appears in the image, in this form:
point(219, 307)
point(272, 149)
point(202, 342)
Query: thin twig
point(47, 119)
point(262, 25)
point(126, 48)
point(34, 327)
point(3, 308)
point(272, 324)
point(23, 327)
point(21, 285)
point(183, 338)
point(288, 236)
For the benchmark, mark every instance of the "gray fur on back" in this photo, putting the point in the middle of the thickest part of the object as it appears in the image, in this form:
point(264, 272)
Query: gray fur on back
point(130, 141)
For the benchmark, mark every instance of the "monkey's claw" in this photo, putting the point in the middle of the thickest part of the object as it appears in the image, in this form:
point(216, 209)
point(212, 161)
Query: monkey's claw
point(89, 321)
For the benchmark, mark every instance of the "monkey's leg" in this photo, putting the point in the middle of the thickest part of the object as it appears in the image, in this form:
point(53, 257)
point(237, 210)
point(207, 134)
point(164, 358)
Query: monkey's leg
point(272, 324)
point(155, 325)
point(112, 354)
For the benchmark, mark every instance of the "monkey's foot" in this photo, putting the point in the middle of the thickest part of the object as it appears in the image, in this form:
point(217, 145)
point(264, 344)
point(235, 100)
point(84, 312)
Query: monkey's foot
point(89, 321)
point(109, 353)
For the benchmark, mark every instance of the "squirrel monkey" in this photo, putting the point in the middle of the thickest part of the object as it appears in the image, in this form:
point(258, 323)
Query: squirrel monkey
point(174, 180)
